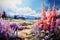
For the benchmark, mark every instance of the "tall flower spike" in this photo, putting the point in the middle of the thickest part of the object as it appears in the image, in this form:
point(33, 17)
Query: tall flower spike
point(54, 17)
point(54, 10)
point(49, 15)
point(43, 12)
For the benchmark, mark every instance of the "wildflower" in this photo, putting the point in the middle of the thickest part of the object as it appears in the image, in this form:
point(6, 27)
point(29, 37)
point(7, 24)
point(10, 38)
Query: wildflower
point(46, 37)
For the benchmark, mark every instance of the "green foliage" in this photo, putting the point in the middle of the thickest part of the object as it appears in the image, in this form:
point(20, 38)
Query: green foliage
point(35, 38)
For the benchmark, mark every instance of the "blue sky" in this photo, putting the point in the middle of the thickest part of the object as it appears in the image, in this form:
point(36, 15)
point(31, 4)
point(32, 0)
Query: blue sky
point(34, 4)
point(26, 7)
point(37, 4)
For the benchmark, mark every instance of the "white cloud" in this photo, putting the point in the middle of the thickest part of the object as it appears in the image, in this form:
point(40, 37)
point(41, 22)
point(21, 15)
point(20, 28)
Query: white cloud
point(25, 11)
point(11, 14)
point(10, 3)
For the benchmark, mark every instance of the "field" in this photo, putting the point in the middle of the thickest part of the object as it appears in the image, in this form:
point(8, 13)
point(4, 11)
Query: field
point(26, 33)
point(25, 29)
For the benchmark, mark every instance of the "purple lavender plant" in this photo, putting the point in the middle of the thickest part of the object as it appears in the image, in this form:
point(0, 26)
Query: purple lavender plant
point(0, 28)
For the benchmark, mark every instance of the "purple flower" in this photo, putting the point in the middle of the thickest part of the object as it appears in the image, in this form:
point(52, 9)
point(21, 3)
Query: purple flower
point(46, 37)
point(13, 25)
point(38, 35)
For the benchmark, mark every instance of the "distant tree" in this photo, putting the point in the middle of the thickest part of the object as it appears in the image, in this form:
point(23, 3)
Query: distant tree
point(4, 15)
point(15, 17)
point(22, 18)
